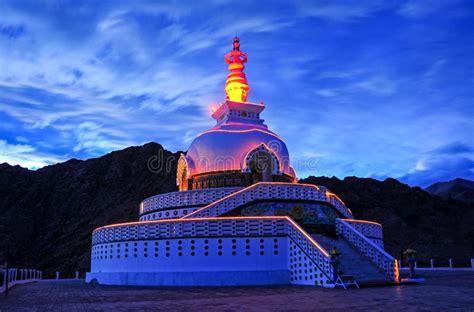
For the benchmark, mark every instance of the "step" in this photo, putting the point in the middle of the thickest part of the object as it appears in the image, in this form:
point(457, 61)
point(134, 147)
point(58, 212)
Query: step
point(352, 261)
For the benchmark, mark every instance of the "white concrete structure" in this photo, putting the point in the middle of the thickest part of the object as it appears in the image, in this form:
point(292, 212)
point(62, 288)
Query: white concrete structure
point(239, 218)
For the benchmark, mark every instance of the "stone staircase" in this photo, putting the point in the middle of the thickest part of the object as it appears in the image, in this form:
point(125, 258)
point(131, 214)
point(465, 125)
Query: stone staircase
point(353, 262)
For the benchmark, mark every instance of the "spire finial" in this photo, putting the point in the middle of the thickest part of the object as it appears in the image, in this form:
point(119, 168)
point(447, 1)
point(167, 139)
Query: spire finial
point(236, 87)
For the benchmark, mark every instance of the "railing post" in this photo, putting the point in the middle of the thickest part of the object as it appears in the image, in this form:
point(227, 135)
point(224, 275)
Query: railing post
point(472, 263)
point(57, 275)
point(451, 263)
point(77, 274)
point(432, 263)
point(416, 264)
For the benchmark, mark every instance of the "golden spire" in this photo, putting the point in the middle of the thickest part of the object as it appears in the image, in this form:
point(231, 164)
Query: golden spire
point(236, 86)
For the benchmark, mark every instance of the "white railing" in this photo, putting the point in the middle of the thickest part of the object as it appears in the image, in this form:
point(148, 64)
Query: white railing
point(378, 256)
point(216, 227)
point(18, 276)
point(203, 227)
point(311, 248)
point(268, 191)
point(371, 230)
point(185, 198)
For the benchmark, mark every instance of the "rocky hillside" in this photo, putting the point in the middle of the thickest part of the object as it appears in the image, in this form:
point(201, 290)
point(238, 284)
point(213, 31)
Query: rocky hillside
point(411, 217)
point(47, 215)
point(459, 189)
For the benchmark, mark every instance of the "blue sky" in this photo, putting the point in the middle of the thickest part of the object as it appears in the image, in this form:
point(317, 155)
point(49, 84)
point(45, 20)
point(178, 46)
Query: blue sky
point(357, 88)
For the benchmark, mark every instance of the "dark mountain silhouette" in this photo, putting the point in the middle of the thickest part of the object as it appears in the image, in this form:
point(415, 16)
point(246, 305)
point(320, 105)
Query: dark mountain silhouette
point(459, 189)
point(47, 216)
point(436, 228)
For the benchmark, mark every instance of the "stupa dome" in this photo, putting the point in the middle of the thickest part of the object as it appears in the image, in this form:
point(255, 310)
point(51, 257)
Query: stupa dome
point(231, 148)
point(239, 150)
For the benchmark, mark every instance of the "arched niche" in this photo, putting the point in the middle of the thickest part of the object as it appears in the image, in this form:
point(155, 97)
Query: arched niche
point(262, 163)
point(182, 174)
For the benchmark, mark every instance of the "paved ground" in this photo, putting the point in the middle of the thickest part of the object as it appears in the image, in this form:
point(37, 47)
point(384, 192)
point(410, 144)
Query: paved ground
point(443, 291)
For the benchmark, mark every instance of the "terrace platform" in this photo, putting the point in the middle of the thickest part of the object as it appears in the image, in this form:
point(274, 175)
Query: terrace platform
point(443, 291)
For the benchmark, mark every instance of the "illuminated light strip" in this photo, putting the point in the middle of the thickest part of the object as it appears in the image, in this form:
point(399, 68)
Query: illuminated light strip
point(250, 188)
point(268, 150)
point(329, 194)
point(238, 124)
point(276, 218)
point(363, 221)
point(240, 131)
point(295, 174)
point(189, 220)
point(397, 271)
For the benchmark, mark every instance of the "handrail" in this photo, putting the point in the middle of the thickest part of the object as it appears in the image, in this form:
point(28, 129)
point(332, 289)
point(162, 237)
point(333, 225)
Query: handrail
point(313, 250)
point(378, 256)
point(371, 230)
point(251, 193)
point(18, 276)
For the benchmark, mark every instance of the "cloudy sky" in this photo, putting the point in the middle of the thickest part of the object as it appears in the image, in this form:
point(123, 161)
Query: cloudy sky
point(356, 88)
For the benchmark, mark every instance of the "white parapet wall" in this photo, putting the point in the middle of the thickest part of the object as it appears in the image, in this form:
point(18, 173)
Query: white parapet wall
point(179, 204)
point(208, 251)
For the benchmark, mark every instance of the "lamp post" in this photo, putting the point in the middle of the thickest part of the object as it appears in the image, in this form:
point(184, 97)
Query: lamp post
point(410, 253)
point(7, 277)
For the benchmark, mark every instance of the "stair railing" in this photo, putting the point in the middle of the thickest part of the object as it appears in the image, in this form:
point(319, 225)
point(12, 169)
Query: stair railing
point(315, 252)
point(378, 256)
point(270, 190)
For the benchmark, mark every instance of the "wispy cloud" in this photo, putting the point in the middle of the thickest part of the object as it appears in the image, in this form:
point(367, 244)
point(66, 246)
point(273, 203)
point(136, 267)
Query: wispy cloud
point(442, 164)
point(26, 155)
point(375, 86)
point(420, 9)
point(345, 11)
